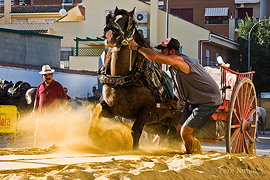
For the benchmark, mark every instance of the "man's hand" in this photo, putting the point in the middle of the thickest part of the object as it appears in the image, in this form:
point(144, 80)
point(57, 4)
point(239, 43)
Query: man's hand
point(174, 103)
point(133, 45)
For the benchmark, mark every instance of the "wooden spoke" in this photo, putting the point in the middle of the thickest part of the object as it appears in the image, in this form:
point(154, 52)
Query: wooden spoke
point(248, 136)
point(235, 134)
point(236, 115)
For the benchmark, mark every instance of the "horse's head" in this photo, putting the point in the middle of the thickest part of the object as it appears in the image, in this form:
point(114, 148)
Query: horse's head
point(120, 27)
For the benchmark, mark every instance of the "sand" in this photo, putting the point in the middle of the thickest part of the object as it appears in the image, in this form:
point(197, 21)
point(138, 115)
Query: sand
point(64, 151)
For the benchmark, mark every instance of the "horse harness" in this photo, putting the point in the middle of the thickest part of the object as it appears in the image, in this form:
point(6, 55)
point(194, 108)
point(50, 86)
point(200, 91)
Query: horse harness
point(132, 79)
point(143, 73)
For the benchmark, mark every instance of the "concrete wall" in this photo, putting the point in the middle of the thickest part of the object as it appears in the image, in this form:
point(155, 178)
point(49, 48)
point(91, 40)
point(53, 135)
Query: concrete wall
point(29, 48)
point(87, 63)
point(77, 84)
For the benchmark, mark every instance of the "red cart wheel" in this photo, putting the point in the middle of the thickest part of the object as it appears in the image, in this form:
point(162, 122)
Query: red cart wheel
point(241, 132)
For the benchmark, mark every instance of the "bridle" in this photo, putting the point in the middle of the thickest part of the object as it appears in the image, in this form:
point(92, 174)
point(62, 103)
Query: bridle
point(124, 34)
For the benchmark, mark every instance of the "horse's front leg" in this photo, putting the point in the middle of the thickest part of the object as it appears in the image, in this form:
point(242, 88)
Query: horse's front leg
point(136, 130)
point(106, 111)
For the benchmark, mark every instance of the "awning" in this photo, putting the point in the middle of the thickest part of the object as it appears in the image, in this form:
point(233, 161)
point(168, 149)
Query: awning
point(216, 11)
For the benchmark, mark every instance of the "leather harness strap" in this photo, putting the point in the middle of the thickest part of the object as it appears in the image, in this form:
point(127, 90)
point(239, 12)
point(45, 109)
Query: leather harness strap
point(128, 80)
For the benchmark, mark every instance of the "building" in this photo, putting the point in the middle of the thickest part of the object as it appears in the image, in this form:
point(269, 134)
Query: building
point(254, 8)
point(81, 36)
point(42, 2)
point(212, 14)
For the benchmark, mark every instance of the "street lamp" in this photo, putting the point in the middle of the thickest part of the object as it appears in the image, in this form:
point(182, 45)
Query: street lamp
point(249, 40)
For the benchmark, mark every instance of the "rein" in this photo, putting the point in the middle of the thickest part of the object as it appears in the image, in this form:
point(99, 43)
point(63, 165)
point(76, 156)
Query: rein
point(126, 39)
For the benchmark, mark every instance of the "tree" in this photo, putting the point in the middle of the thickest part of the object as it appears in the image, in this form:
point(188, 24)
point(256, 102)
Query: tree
point(259, 51)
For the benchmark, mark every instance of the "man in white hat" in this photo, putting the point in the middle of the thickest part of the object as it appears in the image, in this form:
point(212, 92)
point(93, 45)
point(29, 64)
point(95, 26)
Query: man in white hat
point(49, 92)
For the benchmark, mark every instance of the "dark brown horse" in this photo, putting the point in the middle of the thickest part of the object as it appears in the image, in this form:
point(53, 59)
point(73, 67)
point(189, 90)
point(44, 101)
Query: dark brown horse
point(16, 94)
point(128, 90)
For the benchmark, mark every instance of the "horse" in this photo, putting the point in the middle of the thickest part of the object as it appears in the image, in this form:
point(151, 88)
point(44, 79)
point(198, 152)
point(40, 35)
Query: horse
point(261, 119)
point(15, 94)
point(128, 90)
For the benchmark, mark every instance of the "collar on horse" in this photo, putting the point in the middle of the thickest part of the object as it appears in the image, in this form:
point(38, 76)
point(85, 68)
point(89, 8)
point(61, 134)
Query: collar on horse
point(132, 79)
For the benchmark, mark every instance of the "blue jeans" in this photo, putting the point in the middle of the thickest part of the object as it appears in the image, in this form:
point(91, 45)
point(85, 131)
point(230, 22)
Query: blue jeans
point(196, 116)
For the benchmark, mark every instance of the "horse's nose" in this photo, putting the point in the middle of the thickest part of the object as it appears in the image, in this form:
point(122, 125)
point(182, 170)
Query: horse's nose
point(109, 35)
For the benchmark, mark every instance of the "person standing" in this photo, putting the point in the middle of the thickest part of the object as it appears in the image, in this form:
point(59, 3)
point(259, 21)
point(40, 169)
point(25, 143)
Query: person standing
point(192, 84)
point(50, 93)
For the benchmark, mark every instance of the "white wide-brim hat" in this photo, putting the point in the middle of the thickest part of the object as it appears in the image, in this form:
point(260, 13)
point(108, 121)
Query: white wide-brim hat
point(46, 69)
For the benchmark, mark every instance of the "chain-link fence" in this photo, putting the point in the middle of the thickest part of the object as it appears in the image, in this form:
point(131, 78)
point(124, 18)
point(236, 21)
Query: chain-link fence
point(86, 51)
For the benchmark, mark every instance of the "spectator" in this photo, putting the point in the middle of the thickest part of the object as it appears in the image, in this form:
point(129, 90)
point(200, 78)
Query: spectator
point(49, 92)
point(66, 90)
point(93, 99)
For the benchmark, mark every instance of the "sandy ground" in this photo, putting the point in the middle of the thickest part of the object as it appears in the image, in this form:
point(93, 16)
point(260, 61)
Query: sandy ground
point(64, 151)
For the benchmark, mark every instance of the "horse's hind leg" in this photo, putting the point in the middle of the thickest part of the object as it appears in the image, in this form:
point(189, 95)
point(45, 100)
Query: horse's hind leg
point(259, 125)
point(263, 125)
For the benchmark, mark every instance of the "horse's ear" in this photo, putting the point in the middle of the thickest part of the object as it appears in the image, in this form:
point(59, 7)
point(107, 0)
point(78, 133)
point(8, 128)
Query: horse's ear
point(108, 17)
point(131, 13)
point(116, 10)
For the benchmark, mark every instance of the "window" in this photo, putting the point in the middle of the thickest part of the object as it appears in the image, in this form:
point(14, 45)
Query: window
point(184, 13)
point(67, 1)
point(160, 4)
point(2, 2)
point(49, 20)
point(216, 20)
point(21, 20)
point(216, 15)
point(65, 53)
point(224, 58)
point(217, 54)
point(207, 56)
point(243, 11)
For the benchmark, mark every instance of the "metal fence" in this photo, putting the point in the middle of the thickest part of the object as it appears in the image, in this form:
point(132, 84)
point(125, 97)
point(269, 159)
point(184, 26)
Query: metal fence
point(86, 51)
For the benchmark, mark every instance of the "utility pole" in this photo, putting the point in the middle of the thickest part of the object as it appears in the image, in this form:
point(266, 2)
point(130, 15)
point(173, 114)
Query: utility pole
point(167, 19)
point(249, 41)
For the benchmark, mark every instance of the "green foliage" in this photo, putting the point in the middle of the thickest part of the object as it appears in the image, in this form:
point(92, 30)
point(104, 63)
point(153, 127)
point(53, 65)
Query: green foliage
point(259, 51)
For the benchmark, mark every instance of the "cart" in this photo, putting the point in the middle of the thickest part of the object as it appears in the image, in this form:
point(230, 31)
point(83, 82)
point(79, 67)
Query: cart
point(235, 120)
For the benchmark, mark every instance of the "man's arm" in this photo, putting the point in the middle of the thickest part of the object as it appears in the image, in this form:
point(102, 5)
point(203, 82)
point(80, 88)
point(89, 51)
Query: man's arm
point(173, 60)
point(83, 98)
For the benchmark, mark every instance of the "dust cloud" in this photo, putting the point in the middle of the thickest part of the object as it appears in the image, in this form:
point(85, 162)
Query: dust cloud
point(68, 129)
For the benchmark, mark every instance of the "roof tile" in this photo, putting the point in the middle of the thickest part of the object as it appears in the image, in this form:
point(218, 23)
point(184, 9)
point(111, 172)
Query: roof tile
point(37, 8)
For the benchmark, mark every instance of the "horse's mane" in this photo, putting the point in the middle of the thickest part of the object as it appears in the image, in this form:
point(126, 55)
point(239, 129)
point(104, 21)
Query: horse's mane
point(139, 39)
